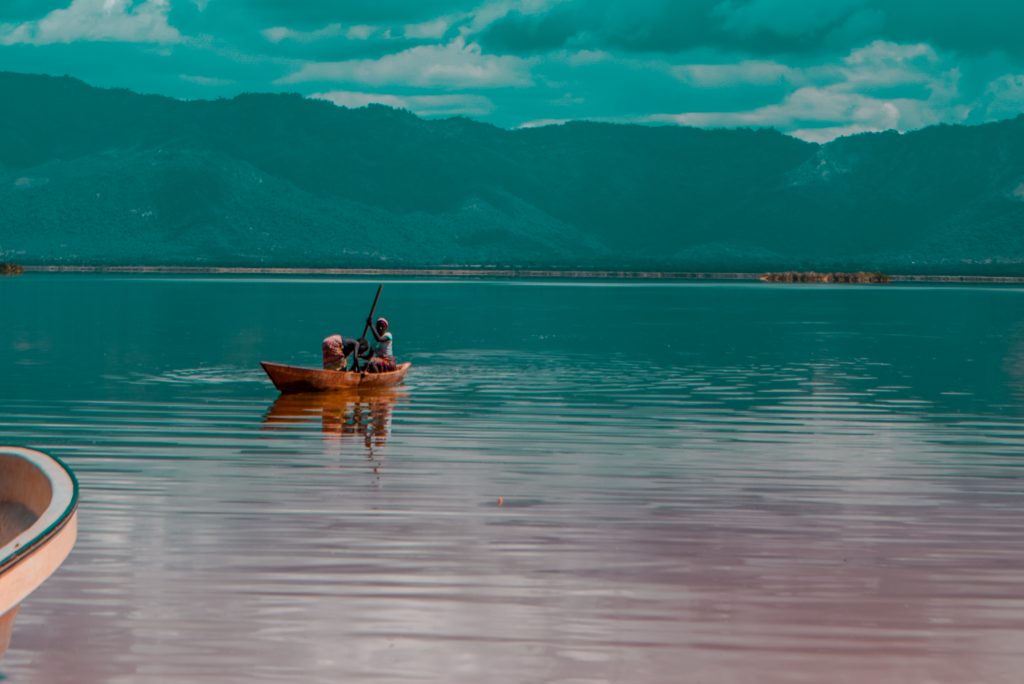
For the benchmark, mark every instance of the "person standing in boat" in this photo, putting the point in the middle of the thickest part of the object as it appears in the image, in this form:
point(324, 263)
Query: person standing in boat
point(383, 355)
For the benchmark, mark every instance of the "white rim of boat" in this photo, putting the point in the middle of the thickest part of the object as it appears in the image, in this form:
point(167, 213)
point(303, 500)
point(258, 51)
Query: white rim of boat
point(63, 502)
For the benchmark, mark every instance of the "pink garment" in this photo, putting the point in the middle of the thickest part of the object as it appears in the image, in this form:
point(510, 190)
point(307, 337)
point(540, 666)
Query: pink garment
point(381, 364)
point(334, 353)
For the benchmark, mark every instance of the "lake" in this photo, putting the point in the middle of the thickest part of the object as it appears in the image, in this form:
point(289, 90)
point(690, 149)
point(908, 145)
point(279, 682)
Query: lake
point(578, 482)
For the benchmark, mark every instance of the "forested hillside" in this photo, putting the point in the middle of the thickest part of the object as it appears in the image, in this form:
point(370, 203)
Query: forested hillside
point(92, 176)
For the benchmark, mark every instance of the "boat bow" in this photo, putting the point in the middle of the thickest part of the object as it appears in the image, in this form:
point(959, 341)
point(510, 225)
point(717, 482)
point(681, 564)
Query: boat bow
point(38, 525)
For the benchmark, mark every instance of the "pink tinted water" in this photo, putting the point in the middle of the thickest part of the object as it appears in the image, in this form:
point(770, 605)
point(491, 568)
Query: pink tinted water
point(837, 501)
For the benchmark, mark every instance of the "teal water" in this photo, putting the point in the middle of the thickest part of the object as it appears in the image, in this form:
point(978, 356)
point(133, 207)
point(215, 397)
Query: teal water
point(699, 482)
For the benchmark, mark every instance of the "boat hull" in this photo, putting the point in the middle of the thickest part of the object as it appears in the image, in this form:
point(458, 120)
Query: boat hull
point(38, 526)
point(293, 379)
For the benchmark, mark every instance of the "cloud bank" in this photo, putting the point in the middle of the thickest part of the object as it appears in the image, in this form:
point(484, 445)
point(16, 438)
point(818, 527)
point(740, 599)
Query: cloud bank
point(96, 20)
point(812, 68)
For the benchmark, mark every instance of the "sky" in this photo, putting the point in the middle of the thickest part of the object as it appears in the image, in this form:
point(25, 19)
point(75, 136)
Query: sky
point(816, 69)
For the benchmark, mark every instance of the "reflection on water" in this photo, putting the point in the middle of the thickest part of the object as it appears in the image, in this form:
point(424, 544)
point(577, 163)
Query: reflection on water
point(356, 417)
point(773, 485)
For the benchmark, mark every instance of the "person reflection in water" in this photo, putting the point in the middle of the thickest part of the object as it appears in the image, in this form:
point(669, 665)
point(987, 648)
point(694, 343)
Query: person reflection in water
point(343, 416)
point(374, 419)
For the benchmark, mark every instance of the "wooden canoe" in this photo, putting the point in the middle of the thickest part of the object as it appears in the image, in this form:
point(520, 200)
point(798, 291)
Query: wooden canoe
point(290, 379)
point(38, 526)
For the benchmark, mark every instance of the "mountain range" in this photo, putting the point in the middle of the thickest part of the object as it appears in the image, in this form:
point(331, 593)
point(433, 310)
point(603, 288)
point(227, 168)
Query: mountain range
point(97, 176)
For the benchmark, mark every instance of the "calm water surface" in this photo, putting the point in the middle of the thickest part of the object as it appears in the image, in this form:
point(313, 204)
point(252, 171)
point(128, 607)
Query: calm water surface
point(701, 482)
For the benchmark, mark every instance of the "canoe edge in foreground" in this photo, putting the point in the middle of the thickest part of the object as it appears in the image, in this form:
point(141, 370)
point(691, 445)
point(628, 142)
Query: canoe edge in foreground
point(31, 556)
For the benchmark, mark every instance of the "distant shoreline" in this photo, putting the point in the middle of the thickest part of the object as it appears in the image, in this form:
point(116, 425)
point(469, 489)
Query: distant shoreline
point(527, 273)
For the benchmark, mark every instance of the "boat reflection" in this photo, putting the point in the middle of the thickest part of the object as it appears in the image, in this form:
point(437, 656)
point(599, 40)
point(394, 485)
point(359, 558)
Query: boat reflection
point(345, 416)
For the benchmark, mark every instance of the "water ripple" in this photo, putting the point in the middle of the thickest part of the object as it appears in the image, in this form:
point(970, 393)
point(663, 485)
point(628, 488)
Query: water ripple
point(558, 513)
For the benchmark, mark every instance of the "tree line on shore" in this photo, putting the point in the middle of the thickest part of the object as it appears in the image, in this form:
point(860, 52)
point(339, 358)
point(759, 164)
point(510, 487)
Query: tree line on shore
point(872, 277)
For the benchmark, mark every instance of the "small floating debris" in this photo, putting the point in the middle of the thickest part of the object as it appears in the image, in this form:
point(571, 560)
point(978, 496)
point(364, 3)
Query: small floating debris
point(501, 501)
point(11, 269)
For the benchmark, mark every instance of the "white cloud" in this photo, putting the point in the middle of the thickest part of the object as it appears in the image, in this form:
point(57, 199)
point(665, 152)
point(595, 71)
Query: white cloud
point(423, 105)
point(879, 64)
point(808, 104)
point(276, 34)
point(889, 64)
point(883, 52)
point(455, 65)
point(475, 22)
point(820, 114)
point(428, 29)
point(829, 133)
point(880, 86)
point(739, 73)
point(585, 57)
point(433, 29)
point(537, 123)
point(130, 21)
point(205, 80)
point(363, 32)
point(1003, 97)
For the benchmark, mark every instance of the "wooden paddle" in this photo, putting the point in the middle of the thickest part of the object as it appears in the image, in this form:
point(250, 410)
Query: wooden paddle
point(367, 327)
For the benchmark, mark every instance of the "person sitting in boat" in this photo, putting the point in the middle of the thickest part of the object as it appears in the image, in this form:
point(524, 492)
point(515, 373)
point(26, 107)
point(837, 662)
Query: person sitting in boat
point(337, 351)
point(382, 357)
